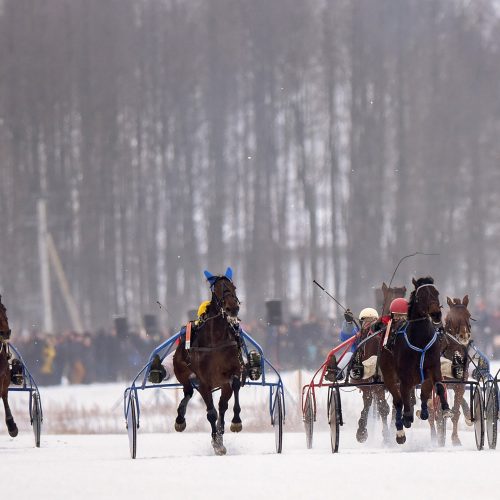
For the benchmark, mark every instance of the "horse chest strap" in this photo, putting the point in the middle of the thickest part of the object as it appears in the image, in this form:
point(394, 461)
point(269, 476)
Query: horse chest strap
point(422, 351)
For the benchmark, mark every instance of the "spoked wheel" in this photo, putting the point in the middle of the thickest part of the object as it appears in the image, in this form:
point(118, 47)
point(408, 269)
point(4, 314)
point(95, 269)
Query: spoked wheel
point(334, 419)
point(278, 421)
point(36, 417)
point(132, 426)
point(477, 402)
point(491, 407)
point(309, 420)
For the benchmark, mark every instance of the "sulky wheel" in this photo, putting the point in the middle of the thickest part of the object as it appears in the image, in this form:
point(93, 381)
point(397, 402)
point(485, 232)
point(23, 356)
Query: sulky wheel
point(36, 417)
point(491, 414)
point(309, 420)
point(478, 408)
point(278, 421)
point(334, 419)
point(132, 425)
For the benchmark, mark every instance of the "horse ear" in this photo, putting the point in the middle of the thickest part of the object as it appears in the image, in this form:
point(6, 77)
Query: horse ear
point(448, 300)
point(465, 301)
point(384, 287)
point(414, 281)
point(229, 273)
point(208, 275)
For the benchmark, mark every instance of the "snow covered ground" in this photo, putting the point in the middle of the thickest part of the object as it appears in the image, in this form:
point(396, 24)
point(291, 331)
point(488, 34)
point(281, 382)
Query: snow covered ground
point(182, 466)
point(85, 453)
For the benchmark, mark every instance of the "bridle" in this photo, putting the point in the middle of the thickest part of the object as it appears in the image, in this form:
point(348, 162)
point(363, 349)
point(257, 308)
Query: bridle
point(226, 292)
point(416, 300)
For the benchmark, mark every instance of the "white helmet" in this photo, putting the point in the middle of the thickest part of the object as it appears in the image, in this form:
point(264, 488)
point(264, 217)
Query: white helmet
point(368, 312)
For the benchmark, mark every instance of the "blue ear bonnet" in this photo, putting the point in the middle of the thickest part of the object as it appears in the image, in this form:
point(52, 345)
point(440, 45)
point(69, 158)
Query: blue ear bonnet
point(212, 279)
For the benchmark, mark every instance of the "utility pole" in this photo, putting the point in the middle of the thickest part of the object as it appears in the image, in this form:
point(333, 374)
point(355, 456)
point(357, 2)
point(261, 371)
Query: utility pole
point(48, 324)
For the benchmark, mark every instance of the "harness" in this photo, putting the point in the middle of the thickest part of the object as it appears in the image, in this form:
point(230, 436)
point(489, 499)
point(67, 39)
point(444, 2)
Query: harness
point(422, 351)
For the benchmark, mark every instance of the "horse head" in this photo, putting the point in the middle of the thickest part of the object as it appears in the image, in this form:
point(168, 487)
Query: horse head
point(424, 300)
point(457, 321)
point(224, 293)
point(391, 293)
point(4, 322)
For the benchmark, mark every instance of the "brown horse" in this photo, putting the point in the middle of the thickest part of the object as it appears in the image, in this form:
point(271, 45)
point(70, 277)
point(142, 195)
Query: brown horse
point(372, 348)
point(415, 357)
point(5, 369)
point(213, 361)
point(457, 325)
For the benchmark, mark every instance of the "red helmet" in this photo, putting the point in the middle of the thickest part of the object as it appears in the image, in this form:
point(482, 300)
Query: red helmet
point(399, 306)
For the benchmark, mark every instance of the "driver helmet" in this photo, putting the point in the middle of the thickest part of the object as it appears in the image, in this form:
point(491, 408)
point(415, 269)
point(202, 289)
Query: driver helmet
point(368, 313)
point(399, 307)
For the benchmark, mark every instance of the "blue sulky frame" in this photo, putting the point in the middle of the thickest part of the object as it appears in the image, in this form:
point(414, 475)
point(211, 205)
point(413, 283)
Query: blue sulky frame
point(131, 406)
point(35, 403)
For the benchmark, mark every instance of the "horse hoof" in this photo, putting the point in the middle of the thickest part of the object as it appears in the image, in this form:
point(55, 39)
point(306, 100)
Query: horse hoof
point(236, 426)
point(407, 421)
point(218, 445)
point(362, 435)
point(12, 428)
point(400, 437)
point(220, 450)
point(447, 414)
point(423, 415)
point(469, 422)
point(455, 440)
point(179, 427)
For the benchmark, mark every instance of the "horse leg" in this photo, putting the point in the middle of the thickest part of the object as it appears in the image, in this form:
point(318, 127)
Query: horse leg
point(466, 410)
point(9, 419)
point(397, 402)
point(427, 413)
point(458, 391)
point(447, 413)
point(362, 432)
point(217, 437)
point(425, 394)
point(236, 424)
point(225, 395)
point(407, 406)
point(383, 411)
point(180, 421)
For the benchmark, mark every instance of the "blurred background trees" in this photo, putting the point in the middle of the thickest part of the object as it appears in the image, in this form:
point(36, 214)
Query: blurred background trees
point(291, 140)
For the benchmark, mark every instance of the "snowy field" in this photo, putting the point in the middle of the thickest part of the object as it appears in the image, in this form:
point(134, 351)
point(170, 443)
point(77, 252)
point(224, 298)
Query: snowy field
point(183, 467)
point(84, 453)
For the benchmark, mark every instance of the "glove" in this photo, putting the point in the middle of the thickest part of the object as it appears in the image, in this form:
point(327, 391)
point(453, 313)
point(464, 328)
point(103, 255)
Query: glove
point(348, 316)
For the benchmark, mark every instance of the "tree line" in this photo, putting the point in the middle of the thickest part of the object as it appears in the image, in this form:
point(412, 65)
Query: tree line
point(291, 140)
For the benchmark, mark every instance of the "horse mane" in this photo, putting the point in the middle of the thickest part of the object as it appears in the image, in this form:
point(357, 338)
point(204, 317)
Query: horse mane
point(426, 280)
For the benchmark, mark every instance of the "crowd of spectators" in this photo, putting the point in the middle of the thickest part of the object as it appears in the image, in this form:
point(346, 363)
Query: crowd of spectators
point(105, 356)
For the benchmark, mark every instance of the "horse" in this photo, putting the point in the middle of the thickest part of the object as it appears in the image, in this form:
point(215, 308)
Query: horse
point(5, 369)
point(389, 294)
point(454, 349)
point(415, 357)
point(369, 349)
point(213, 361)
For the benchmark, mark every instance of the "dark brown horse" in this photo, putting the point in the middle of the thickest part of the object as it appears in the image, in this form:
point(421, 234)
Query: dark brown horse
point(5, 369)
point(454, 352)
point(369, 349)
point(415, 357)
point(213, 360)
